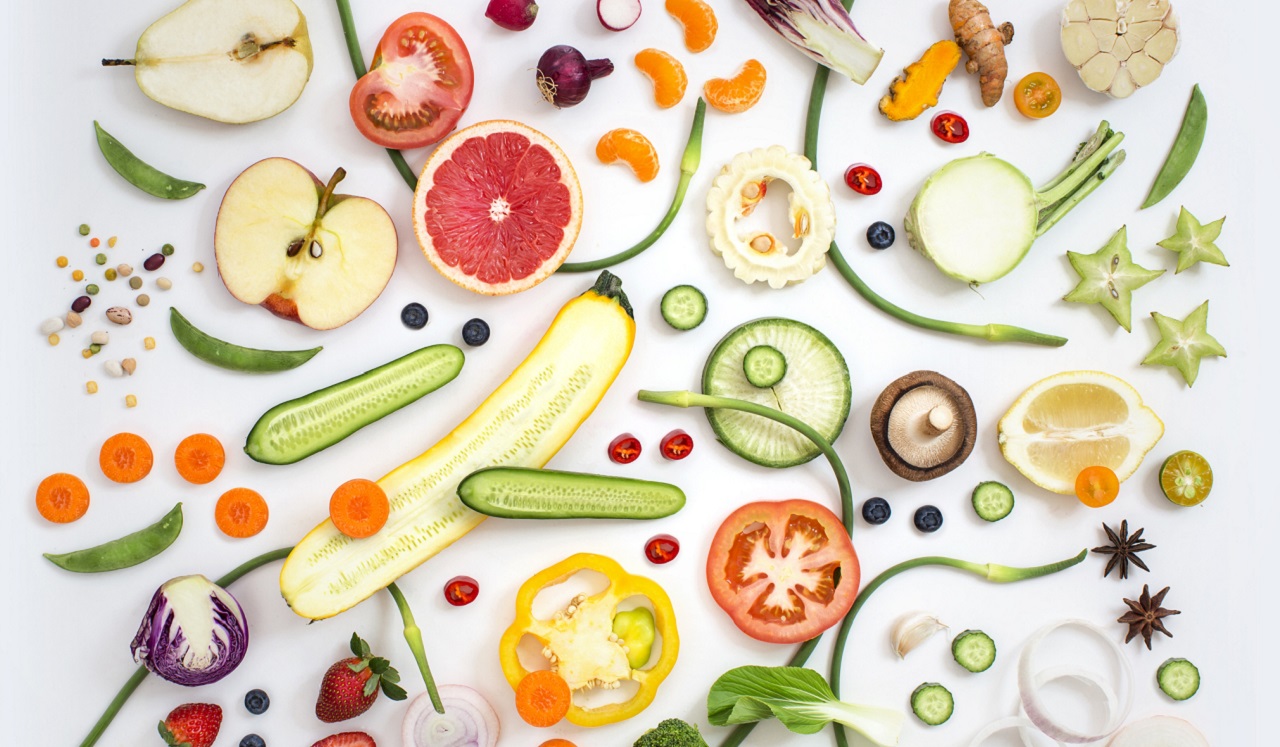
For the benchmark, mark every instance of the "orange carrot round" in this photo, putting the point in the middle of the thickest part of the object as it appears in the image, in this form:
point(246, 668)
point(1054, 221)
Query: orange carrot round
point(199, 458)
point(62, 498)
point(543, 698)
point(359, 508)
point(126, 457)
point(241, 512)
point(557, 743)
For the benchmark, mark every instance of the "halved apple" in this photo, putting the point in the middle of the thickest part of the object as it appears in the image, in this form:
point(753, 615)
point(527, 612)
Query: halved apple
point(228, 60)
point(285, 241)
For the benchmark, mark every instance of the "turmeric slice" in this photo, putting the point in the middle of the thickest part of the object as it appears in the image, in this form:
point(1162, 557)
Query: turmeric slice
point(984, 43)
point(921, 82)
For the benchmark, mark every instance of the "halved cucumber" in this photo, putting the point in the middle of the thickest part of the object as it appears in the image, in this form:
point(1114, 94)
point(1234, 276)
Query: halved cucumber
point(816, 390)
point(684, 307)
point(932, 703)
point(294, 430)
point(992, 500)
point(518, 493)
point(974, 650)
point(1178, 678)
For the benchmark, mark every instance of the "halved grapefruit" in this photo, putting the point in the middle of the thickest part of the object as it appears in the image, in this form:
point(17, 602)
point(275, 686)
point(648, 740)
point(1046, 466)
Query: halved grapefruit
point(498, 207)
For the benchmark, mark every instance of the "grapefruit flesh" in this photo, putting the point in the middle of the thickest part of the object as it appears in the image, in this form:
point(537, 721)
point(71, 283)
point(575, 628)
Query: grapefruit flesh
point(497, 208)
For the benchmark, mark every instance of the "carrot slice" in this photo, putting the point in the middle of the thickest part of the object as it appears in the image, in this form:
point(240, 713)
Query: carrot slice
point(359, 508)
point(199, 458)
point(62, 498)
point(543, 698)
point(241, 512)
point(126, 457)
point(557, 743)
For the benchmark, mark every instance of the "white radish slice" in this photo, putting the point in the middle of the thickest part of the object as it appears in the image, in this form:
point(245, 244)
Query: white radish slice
point(468, 720)
point(618, 15)
point(1159, 731)
point(1029, 683)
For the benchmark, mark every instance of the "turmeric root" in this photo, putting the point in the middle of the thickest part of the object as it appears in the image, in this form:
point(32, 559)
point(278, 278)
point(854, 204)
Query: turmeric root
point(984, 43)
point(921, 82)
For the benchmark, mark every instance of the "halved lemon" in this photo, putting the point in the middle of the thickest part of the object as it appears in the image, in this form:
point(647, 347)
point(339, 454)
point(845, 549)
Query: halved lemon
point(1077, 419)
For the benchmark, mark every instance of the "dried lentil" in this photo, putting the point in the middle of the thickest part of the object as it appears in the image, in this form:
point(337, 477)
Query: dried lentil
point(77, 275)
point(135, 282)
point(110, 274)
point(54, 339)
point(111, 242)
point(86, 353)
point(100, 258)
point(95, 348)
point(166, 250)
point(143, 299)
point(84, 229)
point(94, 242)
point(91, 289)
point(63, 261)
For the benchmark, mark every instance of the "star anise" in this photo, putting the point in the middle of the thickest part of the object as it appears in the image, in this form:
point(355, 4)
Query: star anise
point(1124, 549)
point(1144, 616)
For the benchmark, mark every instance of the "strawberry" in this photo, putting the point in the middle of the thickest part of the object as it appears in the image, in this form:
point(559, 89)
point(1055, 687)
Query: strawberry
point(347, 739)
point(350, 686)
point(192, 725)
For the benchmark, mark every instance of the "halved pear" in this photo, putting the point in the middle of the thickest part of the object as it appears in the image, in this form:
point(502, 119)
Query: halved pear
point(228, 60)
point(285, 241)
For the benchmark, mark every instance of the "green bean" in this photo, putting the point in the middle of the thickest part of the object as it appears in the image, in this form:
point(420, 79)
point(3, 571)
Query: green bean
point(235, 357)
point(141, 174)
point(1182, 156)
point(129, 550)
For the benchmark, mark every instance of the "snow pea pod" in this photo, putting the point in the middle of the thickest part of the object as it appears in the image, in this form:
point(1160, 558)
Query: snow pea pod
point(141, 174)
point(1184, 151)
point(127, 551)
point(232, 356)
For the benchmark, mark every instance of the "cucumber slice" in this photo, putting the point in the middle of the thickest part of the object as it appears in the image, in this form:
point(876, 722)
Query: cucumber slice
point(518, 493)
point(974, 650)
point(294, 430)
point(932, 703)
point(1178, 678)
point(816, 390)
point(764, 366)
point(992, 500)
point(684, 307)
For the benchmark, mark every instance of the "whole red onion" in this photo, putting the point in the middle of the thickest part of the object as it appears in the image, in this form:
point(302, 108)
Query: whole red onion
point(564, 75)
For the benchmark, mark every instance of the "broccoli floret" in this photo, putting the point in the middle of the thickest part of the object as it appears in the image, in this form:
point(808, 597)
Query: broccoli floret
point(672, 733)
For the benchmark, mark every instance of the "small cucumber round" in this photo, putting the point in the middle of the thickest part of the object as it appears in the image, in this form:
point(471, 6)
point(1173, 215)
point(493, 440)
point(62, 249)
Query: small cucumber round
point(992, 500)
point(764, 366)
point(932, 703)
point(974, 650)
point(1178, 678)
point(518, 493)
point(684, 307)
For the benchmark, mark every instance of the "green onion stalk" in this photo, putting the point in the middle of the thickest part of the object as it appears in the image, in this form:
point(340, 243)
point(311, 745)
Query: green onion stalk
point(413, 635)
point(688, 166)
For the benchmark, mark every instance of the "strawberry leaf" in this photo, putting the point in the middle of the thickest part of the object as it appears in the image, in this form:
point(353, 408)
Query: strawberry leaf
point(379, 665)
point(359, 646)
point(371, 686)
point(391, 675)
point(358, 666)
point(170, 738)
point(393, 691)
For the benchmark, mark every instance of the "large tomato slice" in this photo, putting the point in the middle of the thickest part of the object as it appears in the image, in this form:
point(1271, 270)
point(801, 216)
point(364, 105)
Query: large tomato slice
point(774, 565)
point(418, 86)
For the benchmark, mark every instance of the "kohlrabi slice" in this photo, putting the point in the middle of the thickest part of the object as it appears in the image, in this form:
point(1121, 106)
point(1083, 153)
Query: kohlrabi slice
point(977, 217)
point(1109, 277)
point(1183, 343)
point(1193, 242)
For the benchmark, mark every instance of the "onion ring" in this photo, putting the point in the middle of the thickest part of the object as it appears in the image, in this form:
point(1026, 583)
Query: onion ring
point(1029, 682)
point(468, 721)
point(1159, 731)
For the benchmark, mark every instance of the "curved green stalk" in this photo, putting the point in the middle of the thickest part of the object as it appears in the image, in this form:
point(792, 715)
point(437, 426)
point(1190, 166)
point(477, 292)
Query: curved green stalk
point(413, 635)
point(141, 673)
point(688, 166)
point(1001, 574)
point(357, 64)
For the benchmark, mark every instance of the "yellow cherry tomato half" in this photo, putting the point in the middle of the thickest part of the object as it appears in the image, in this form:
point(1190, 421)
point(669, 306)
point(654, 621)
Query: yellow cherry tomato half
point(1097, 486)
point(1037, 95)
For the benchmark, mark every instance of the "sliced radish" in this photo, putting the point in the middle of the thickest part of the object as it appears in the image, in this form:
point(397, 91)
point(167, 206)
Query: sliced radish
point(1159, 731)
point(618, 15)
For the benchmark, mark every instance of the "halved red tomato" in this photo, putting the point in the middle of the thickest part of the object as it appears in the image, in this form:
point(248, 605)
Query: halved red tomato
point(418, 86)
point(774, 566)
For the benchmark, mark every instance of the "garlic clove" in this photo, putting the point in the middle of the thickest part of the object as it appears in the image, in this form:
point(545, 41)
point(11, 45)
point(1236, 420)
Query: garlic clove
point(1079, 43)
point(911, 630)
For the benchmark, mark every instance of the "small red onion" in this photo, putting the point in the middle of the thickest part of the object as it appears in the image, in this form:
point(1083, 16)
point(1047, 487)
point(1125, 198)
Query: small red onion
point(1159, 731)
point(468, 720)
point(565, 75)
point(513, 15)
point(1029, 682)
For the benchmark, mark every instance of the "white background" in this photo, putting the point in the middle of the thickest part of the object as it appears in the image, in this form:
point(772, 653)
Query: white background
point(67, 636)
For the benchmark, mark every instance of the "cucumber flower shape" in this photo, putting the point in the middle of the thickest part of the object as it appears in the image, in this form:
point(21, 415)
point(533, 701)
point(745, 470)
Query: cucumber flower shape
point(194, 632)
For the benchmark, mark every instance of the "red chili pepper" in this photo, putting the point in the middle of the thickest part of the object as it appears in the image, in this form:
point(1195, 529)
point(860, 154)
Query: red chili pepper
point(461, 591)
point(624, 449)
point(863, 179)
point(950, 127)
point(661, 548)
point(676, 445)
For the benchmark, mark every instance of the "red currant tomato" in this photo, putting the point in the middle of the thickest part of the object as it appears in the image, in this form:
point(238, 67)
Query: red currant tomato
point(863, 179)
point(461, 591)
point(661, 548)
point(676, 445)
point(950, 127)
point(624, 449)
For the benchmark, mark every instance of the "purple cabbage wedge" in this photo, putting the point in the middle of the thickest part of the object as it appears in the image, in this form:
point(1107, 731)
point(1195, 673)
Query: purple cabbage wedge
point(822, 30)
point(194, 632)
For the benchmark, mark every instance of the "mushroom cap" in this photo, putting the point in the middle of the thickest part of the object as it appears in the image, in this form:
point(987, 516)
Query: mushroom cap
point(924, 425)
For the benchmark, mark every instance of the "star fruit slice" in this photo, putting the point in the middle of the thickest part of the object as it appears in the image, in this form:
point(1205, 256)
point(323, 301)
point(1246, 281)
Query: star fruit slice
point(1183, 343)
point(1109, 277)
point(1118, 46)
point(1193, 242)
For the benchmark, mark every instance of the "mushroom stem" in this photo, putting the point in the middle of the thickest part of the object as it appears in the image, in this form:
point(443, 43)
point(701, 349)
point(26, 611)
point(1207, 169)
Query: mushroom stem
point(940, 419)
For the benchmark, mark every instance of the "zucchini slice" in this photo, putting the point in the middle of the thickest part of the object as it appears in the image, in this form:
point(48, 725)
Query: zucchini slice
point(815, 389)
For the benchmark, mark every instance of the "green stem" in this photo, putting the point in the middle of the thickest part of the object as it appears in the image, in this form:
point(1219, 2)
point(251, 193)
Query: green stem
point(1086, 149)
point(1075, 198)
point(688, 166)
point(141, 673)
point(413, 635)
point(1002, 574)
point(1077, 173)
point(357, 64)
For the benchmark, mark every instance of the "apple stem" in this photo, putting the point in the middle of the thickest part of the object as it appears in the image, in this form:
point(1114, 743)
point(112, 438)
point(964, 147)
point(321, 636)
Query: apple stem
point(116, 63)
point(338, 176)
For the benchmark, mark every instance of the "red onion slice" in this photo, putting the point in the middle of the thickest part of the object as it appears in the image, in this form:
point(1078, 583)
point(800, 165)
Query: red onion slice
point(1029, 684)
point(468, 720)
point(1159, 731)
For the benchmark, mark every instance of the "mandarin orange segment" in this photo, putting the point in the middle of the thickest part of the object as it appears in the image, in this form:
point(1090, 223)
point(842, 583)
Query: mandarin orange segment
point(698, 20)
point(739, 93)
point(631, 148)
point(667, 74)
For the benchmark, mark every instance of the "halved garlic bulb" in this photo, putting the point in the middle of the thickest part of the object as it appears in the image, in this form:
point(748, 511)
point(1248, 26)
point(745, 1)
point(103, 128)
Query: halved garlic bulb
point(1118, 46)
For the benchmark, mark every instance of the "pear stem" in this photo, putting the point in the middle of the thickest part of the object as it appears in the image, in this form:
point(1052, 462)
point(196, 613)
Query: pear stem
point(116, 63)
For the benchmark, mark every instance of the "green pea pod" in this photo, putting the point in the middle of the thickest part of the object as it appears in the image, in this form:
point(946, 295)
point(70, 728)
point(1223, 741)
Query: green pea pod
point(141, 174)
point(127, 551)
point(1185, 149)
point(232, 356)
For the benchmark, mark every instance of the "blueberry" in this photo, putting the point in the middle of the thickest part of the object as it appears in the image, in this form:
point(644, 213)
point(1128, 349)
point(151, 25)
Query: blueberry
point(252, 740)
point(880, 235)
point(475, 332)
point(257, 702)
point(928, 519)
point(876, 511)
point(414, 315)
